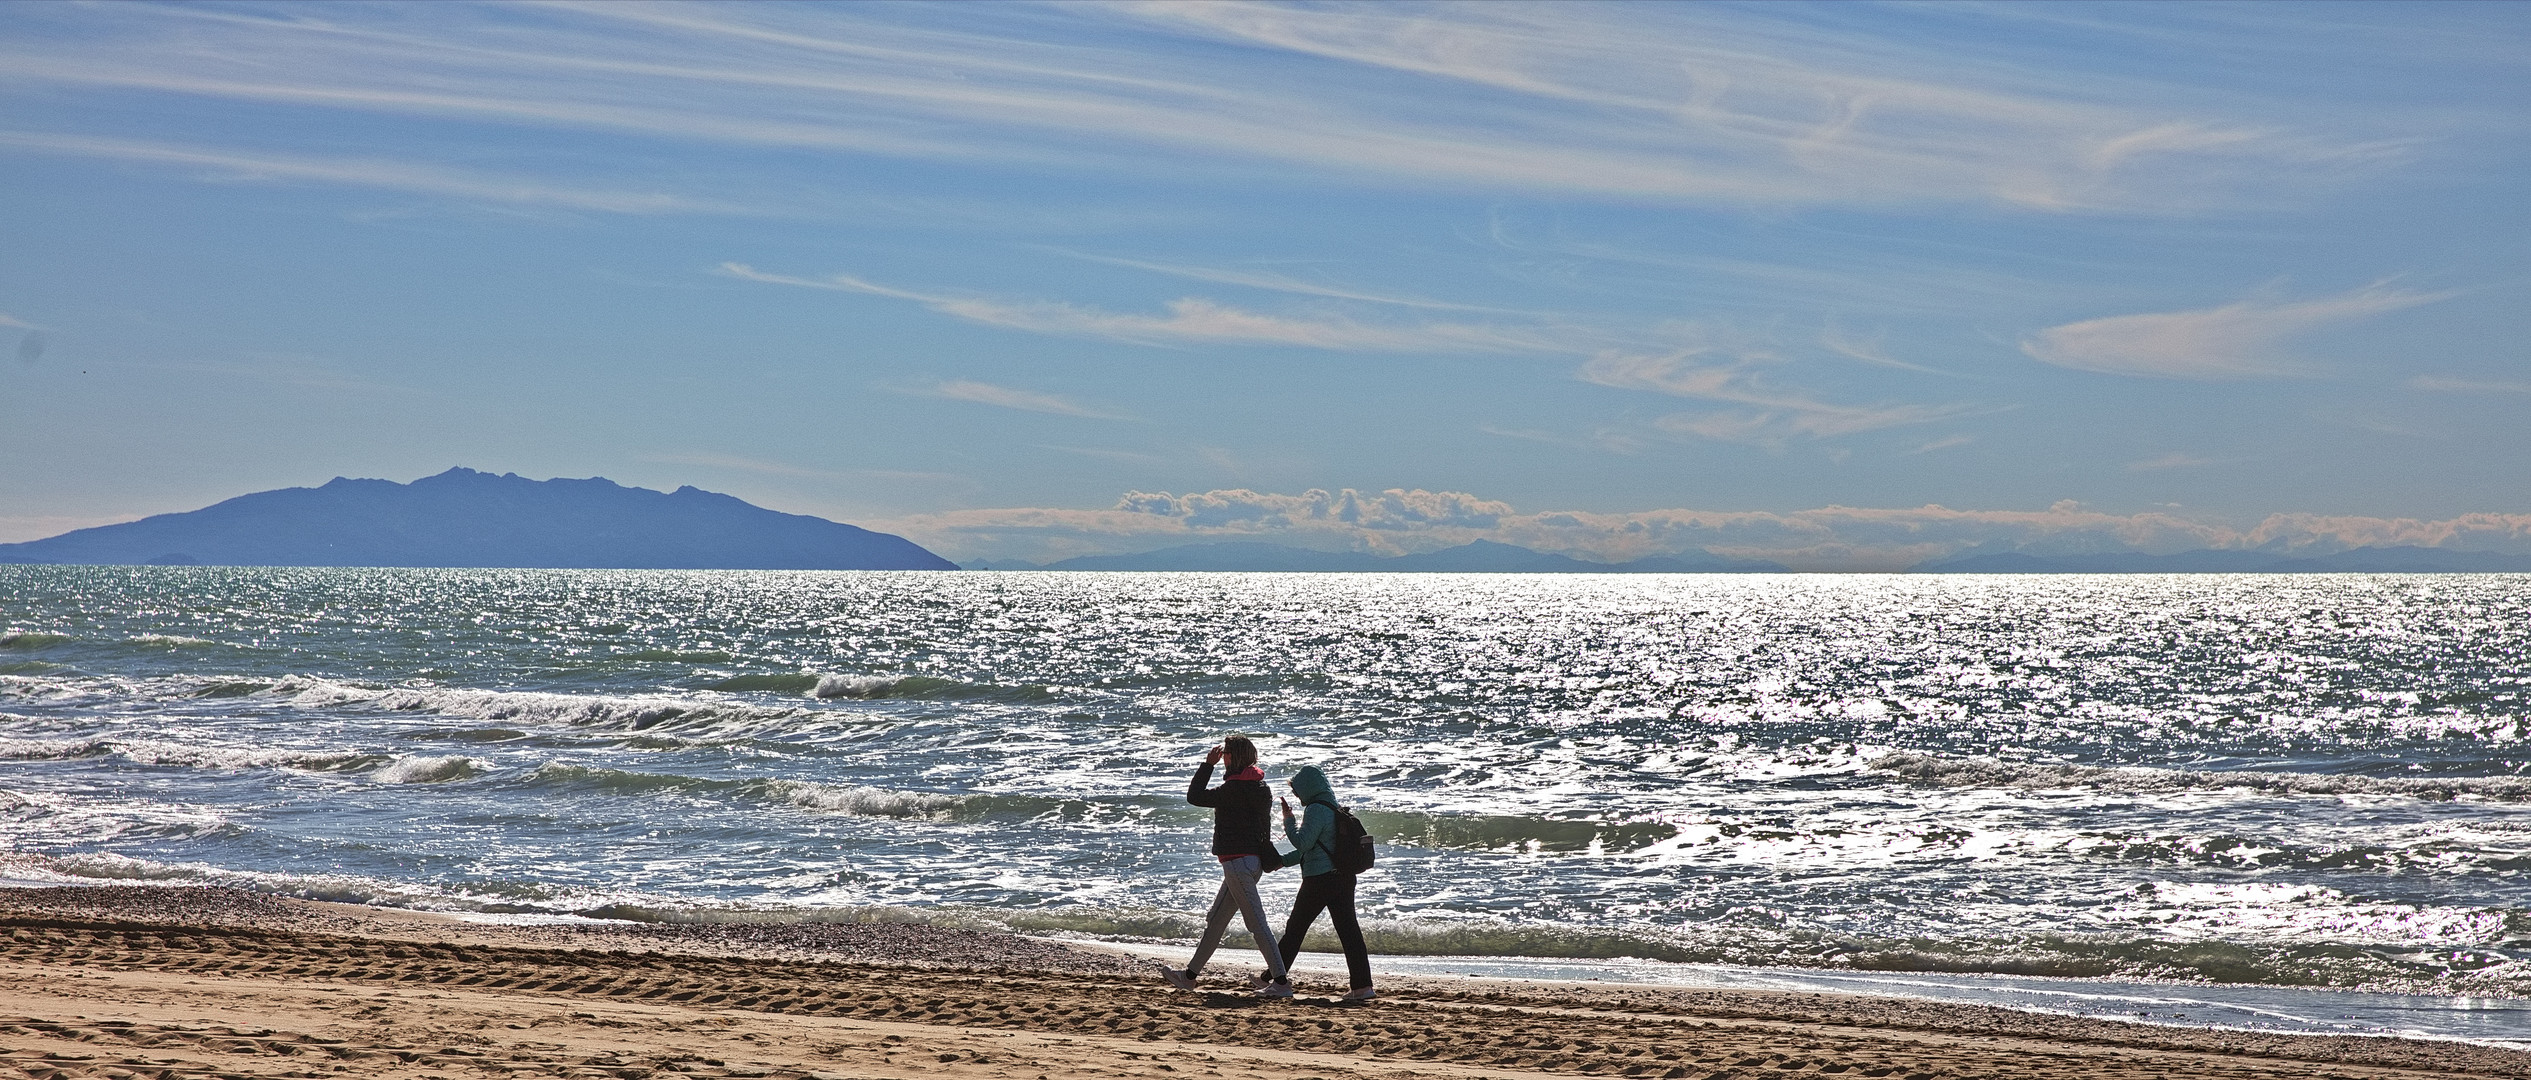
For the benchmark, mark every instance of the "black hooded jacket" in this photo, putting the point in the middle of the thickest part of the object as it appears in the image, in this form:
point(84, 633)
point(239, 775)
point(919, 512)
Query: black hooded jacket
point(1241, 822)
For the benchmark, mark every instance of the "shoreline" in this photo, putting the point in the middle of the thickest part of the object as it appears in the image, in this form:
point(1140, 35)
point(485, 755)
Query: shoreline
point(126, 972)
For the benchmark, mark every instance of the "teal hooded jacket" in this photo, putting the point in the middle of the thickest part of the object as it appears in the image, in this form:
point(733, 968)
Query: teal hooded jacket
point(1317, 830)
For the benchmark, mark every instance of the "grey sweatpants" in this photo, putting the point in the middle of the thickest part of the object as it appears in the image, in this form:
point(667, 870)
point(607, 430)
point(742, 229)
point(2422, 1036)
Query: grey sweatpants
point(1239, 893)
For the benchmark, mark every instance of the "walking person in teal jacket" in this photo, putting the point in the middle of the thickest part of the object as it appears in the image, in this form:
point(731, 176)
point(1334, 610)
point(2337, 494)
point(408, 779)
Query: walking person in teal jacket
point(1324, 887)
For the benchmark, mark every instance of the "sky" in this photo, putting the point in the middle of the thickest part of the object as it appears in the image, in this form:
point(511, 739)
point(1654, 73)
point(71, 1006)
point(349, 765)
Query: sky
point(1844, 285)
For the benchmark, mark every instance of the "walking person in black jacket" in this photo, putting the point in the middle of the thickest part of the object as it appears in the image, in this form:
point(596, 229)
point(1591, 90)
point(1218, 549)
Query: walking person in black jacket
point(1242, 840)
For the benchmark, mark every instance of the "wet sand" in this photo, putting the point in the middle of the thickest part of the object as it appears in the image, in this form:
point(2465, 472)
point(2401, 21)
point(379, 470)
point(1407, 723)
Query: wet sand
point(158, 982)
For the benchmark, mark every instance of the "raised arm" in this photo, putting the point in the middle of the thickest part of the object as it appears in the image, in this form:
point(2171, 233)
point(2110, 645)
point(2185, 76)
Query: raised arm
point(1196, 789)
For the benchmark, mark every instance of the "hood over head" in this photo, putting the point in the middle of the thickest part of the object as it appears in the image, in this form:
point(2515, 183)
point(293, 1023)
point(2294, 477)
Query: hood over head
point(1311, 784)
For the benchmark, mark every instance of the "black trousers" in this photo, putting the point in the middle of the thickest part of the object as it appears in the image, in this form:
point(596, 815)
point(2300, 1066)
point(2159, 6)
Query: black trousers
point(1332, 893)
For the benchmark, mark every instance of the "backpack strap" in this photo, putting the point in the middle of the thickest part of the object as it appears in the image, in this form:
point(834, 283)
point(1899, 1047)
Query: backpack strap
point(1328, 842)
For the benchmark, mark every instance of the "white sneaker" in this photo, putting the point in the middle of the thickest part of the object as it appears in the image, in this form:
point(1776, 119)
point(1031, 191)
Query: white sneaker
point(1359, 993)
point(1275, 990)
point(1177, 978)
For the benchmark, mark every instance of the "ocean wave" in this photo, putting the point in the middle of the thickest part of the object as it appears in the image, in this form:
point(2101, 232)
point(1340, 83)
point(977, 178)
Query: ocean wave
point(1507, 832)
point(32, 639)
point(228, 688)
point(178, 641)
point(866, 801)
point(673, 656)
point(2421, 856)
point(853, 799)
point(923, 687)
point(418, 769)
point(829, 686)
point(770, 684)
point(616, 781)
point(504, 707)
point(144, 752)
point(1937, 771)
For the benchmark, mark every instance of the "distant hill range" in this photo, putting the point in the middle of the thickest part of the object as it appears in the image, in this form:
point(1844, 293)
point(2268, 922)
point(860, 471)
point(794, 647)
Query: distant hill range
point(2370, 560)
point(1480, 557)
point(466, 518)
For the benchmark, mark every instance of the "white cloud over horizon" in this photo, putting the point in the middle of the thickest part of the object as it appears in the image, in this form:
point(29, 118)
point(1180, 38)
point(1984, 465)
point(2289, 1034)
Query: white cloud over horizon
point(1399, 521)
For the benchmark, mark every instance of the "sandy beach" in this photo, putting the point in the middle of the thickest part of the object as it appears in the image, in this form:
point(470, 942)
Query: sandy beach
point(167, 982)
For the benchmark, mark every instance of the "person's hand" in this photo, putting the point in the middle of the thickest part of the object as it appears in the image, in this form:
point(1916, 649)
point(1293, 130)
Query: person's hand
point(1213, 756)
point(1287, 805)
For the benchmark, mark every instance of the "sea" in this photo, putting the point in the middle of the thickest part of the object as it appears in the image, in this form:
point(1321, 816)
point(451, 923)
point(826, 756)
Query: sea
point(2297, 802)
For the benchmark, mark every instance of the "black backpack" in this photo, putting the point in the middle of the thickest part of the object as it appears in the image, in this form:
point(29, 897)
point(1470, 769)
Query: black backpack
point(1350, 849)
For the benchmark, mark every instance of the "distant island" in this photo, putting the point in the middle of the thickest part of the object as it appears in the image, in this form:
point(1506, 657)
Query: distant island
point(1479, 557)
point(464, 518)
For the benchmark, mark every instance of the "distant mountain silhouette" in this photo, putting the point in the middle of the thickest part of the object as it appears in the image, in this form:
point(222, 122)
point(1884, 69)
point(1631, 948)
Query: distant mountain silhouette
point(2370, 560)
point(466, 518)
point(1479, 557)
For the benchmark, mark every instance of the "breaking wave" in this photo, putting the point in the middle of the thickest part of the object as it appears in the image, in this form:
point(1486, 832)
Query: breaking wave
point(1506, 832)
point(879, 687)
point(866, 801)
point(416, 769)
point(1938, 771)
point(504, 707)
point(178, 641)
point(853, 799)
point(32, 639)
point(142, 752)
point(616, 781)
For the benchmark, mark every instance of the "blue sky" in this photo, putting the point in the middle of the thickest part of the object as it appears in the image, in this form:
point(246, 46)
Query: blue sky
point(1847, 285)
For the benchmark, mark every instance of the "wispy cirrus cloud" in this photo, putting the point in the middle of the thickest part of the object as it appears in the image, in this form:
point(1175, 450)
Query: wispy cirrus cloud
point(2240, 340)
point(1770, 414)
point(1191, 320)
point(1740, 379)
point(1400, 520)
point(1284, 283)
point(2450, 385)
point(1869, 351)
point(1679, 105)
point(1005, 397)
point(380, 173)
point(2172, 460)
point(1944, 443)
point(1737, 104)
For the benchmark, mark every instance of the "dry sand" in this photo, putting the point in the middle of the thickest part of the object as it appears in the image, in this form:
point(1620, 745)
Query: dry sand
point(168, 982)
